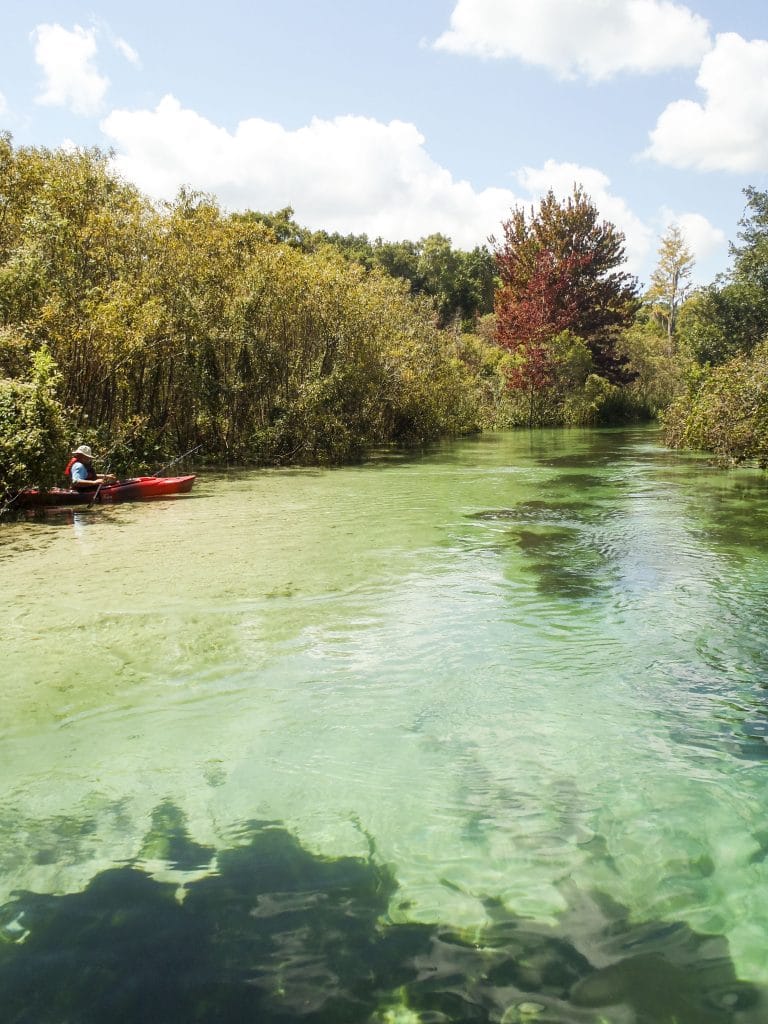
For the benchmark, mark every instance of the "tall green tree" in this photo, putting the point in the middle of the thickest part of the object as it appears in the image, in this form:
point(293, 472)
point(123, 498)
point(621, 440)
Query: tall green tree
point(730, 316)
point(460, 283)
point(567, 264)
point(751, 256)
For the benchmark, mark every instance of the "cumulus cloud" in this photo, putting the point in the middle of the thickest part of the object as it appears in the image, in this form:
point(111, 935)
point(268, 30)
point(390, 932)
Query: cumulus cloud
point(71, 79)
point(358, 175)
point(701, 236)
point(729, 130)
point(593, 38)
point(349, 174)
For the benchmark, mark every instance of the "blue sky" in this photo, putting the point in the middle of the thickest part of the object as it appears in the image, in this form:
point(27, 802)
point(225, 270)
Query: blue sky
point(405, 118)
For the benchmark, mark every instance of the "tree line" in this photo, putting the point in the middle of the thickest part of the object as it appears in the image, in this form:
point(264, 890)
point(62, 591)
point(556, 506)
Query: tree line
point(146, 329)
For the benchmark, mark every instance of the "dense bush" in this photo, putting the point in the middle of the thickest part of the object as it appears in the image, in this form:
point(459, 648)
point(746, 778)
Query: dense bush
point(726, 411)
point(658, 365)
point(178, 325)
point(33, 441)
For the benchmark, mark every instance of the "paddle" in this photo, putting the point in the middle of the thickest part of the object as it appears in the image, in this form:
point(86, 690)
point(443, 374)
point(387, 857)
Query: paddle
point(96, 494)
point(177, 459)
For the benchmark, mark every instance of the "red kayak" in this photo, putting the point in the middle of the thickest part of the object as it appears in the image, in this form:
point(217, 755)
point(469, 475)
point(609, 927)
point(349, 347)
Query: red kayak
point(138, 488)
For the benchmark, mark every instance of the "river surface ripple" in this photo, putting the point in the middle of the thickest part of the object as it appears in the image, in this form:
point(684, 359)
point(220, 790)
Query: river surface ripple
point(520, 668)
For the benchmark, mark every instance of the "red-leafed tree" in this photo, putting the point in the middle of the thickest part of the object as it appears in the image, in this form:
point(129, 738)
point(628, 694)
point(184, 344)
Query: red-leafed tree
point(560, 269)
point(526, 326)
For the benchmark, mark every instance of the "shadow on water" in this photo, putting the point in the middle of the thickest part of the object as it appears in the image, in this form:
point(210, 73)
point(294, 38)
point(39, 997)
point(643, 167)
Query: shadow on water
point(535, 511)
point(577, 481)
point(275, 933)
point(565, 566)
point(556, 541)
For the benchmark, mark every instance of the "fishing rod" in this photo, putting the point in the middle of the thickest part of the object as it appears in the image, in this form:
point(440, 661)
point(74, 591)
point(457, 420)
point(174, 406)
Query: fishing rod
point(177, 459)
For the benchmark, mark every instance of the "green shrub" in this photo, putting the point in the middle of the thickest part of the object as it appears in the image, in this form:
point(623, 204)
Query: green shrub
point(33, 434)
point(725, 411)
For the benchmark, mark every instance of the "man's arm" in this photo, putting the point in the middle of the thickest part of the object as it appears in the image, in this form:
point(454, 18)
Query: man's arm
point(81, 482)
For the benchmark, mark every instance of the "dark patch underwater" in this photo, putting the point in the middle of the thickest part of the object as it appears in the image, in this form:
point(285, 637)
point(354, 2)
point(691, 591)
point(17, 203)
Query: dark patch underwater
point(276, 933)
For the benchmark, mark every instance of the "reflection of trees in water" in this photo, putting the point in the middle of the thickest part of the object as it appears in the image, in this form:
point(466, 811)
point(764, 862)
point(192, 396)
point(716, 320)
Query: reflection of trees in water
point(278, 934)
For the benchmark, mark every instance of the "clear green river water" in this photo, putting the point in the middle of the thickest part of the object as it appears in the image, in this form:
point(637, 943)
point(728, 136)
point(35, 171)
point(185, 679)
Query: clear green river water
point(479, 733)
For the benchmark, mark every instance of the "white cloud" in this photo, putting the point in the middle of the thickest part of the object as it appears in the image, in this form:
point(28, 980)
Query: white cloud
point(3, 104)
point(127, 50)
point(358, 175)
point(71, 79)
point(729, 131)
point(594, 38)
point(350, 174)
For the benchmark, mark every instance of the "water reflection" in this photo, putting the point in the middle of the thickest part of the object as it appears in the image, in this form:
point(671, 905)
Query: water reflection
point(36, 528)
point(275, 933)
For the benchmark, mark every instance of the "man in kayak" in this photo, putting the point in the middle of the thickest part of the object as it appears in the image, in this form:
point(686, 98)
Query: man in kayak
point(81, 472)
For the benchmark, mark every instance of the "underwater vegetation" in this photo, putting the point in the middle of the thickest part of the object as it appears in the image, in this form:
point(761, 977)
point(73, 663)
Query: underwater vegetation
point(275, 933)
